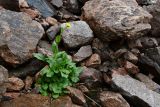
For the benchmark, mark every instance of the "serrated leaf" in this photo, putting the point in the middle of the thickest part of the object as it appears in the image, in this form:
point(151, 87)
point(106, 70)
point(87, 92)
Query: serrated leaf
point(39, 56)
point(55, 48)
point(44, 86)
point(58, 39)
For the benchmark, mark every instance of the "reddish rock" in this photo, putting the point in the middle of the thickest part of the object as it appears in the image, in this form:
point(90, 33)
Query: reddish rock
point(28, 100)
point(15, 84)
point(51, 21)
point(120, 71)
point(32, 13)
point(12, 94)
point(83, 88)
point(64, 101)
point(76, 96)
point(28, 82)
point(93, 61)
point(131, 68)
point(111, 99)
point(131, 57)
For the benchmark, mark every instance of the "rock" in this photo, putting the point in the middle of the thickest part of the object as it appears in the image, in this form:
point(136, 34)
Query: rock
point(77, 96)
point(44, 48)
point(15, 48)
point(146, 2)
point(3, 79)
point(93, 61)
point(23, 4)
point(29, 69)
point(63, 101)
point(28, 82)
point(43, 7)
point(12, 95)
point(148, 82)
point(111, 20)
point(52, 31)
point(155, 11)
point(111, 99)
point(57, 3)
point(76, 105)
point(83, 53)
point(27, 100)
point(150, 61)
point(51, 21)
point(131, 68)
point(77, 35)
point(120, 71)
point(83, 1)
point(15, 84)
point(73, 6)
point(91, 77)
point(120, 52)
point(135, 91)
point(32, 13)
point(10, 5)
point(131, 57)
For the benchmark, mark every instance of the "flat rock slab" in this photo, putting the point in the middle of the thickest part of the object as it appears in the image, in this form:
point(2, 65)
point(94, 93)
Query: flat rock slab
point(19, 36)
point(135, 91)
point(112, 19)
point(43, 7)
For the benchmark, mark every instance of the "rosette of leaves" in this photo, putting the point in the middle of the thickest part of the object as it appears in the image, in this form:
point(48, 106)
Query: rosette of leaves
point(60, 71)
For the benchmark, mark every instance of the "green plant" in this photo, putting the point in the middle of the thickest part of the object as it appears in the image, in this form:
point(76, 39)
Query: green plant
point(60, 71)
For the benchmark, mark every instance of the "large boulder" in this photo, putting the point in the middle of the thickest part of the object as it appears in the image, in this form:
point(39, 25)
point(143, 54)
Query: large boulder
point(135, 91)
point(3, 79)
point(112, 19)
point(19, 36)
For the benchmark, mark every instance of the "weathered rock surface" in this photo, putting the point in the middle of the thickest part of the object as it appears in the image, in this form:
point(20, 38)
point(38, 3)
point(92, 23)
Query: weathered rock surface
point(148, 82)
point(83, 53)
point(112, 19)
point(77, 35)
point(3, 79)
point(73, 6)
point(77, 96)
point(57, 3)
point(111, 99)
point(15, 84)
point(27, 100)
point(19, 36)
point(135, 91)
point(146, 2)
point(43, 7)
point(155, 23)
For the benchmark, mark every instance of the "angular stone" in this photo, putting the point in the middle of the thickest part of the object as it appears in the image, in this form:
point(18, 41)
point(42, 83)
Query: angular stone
point(93, 61)
point(77, 35)
point(77, 96)
point(42, 6)
point(120, 71)
point(15, 84)
point(135, 91)
point(64, 101)
point(52, 31)
point(148, 82)
point(91, 77)
point(28, 82)
point(52, 21)
point(19, 36)
point(131, 57)
point(131, 68)
point(112, 99)
point(73, 6)
point(112, 19)
point(57, 3)
point(83, 53)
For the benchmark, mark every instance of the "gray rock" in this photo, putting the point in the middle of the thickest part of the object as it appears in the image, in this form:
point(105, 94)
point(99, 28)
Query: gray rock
point(57, 3)
point(19, 36)
point(148, 82)
point(83, 53)
point(112, 19)
point(73, 6)
point(77, 35)
point(52, 31)
point(155, 22)
point(136, 92)
point(3, 79)
point(43, 7)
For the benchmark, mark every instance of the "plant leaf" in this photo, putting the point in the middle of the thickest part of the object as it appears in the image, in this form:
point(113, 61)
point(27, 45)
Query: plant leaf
point(39, 56)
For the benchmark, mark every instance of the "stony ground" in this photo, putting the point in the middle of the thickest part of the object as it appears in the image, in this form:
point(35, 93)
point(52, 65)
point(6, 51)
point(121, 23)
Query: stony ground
point(115, 41)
